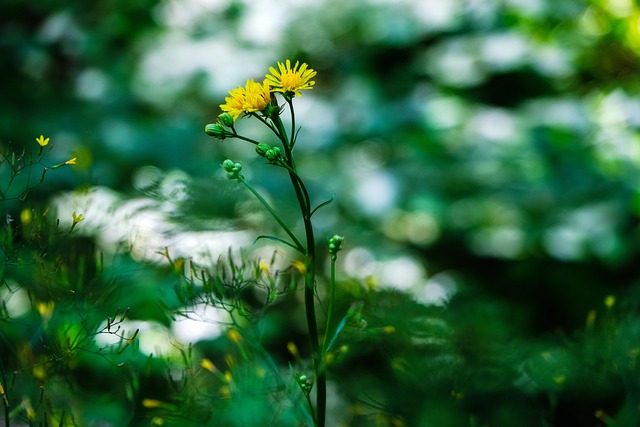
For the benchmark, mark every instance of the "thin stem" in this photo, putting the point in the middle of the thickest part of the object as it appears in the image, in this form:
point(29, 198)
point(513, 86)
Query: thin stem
point(309, 279)
point(332, 297)
point(273, 213)
point(293, 123)
point(303, 188)
point(310, 274)
point(267, 124)
point(313, 414)
point(244, 138)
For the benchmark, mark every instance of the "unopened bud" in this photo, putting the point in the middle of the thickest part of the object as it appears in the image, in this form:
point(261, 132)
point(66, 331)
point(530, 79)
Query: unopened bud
point(232, 168)
point(216, 130)
point(226, 119)
point(335, 244)
point(274, 154)
point(263, 149)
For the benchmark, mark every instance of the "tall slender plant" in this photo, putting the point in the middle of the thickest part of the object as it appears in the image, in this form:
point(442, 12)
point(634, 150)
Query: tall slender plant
point(266, 102)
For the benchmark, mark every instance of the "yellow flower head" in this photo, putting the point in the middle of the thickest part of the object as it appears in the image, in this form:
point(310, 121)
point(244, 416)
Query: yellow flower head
point(290, 80)
point(151, 403)
point(251, 98)
point(77, 218)
point(45, 309)
point(234, 104)
point(257, 96)
point(42, 141)
point(208, 365)
point(71, 161)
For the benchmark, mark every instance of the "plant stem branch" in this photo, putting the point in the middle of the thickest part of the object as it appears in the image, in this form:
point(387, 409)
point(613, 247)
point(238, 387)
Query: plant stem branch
point(273, 213)
point(310, 274)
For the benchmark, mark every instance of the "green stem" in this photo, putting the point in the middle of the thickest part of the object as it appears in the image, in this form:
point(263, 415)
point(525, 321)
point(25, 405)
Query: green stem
point(293, 123)
point(310, 274)
point(273, 213)
point(294, 175)
point(332, 297)
point(244, 138)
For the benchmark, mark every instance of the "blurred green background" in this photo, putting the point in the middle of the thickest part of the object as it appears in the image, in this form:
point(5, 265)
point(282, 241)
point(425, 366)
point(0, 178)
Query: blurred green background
point(485, 157)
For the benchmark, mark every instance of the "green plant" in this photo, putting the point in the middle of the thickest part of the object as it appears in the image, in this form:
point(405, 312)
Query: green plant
point(260, 101)
point(48, 320)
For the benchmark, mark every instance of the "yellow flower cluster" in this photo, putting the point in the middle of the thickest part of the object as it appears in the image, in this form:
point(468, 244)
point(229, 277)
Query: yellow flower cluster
point(253, 97)
point(257, 96)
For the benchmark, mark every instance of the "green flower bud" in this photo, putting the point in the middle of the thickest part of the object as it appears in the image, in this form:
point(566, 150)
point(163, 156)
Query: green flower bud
point(274, 154)
point(263, 149)
point(335, 244)
point(226, 119)
point(228, 165)
point(216, 130)
point(305, 383)
point(232, 168)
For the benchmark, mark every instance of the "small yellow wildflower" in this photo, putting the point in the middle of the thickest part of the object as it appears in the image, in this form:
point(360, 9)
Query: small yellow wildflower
point(234, 336)
point(45, 309)
point(290, 80)
point(256, 97)
point(234, 104)
point(293, 349)
point(300, 266)
point(329, 358)
point(610, 301)
point(25, 216)
point(26, 405)
point(251, 98)
point(42, 141)
point(208, 365)
point(389, 329)
point(71, 161)
point(151, 403)
point(77, 218)
point(264, 267)
point(39, 372)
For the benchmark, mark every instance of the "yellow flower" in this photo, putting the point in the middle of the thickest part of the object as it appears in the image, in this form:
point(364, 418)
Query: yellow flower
point(290, 80)
point(300, 266)
point(45, 309)
point(71, 161)
point(208, 365)
point(151, 403)
point(257, 96)
point(42, 141)
point(293, 349)
point(610, 301)
point(251, 98)
point(77, 218)
point(234, 104)
point(234, 336)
